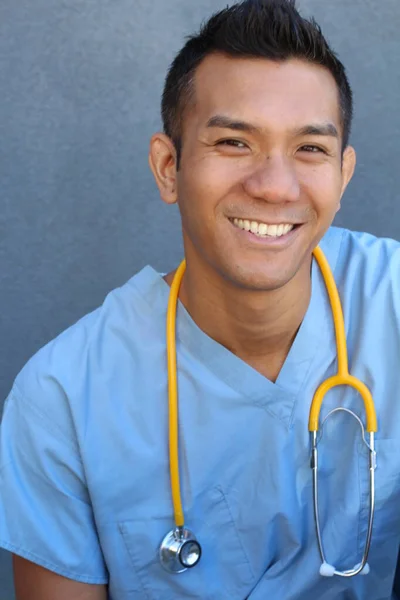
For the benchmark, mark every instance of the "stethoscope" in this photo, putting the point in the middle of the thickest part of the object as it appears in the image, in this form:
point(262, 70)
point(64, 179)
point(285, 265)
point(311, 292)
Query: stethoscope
point(180, 550)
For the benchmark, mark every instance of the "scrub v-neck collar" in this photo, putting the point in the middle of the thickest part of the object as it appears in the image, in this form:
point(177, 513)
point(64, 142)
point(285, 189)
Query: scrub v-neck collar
point(278, 398)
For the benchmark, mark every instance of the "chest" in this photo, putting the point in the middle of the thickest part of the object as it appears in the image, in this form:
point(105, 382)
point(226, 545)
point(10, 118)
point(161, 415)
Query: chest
point(245, 478)
point(247, 494)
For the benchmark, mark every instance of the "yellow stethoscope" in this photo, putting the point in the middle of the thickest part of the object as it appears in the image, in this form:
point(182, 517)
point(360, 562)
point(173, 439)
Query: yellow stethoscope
point(180, 550)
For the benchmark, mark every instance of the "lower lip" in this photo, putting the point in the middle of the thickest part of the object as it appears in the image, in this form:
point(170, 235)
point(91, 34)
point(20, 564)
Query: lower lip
point(269, 240)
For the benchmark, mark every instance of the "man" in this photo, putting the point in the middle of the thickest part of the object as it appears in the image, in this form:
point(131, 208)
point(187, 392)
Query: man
point(257, 113)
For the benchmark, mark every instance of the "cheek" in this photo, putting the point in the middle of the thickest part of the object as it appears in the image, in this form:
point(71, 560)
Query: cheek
point(204, 183)
point(322, 184)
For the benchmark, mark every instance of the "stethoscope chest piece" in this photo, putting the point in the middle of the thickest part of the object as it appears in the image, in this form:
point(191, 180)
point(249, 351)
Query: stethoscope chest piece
point(179, 550)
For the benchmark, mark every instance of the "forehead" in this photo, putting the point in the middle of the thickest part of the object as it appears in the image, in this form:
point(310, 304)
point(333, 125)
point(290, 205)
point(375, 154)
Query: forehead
point(271, 94)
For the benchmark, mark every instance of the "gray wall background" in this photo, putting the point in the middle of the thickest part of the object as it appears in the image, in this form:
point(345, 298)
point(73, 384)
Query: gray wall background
point(80, 83)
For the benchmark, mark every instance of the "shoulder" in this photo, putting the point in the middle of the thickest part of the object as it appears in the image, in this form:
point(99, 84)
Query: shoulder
point(363, 258)
point(366, 269)
point(59, 375)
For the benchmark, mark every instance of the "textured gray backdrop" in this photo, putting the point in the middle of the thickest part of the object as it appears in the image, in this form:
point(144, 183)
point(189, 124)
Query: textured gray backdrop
point(80, 82)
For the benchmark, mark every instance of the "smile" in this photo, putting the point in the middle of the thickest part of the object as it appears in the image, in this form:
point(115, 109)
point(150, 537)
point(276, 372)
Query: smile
point(263, 229)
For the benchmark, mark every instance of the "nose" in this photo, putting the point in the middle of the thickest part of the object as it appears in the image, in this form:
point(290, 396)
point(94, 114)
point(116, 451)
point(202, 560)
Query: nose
point(274, 180)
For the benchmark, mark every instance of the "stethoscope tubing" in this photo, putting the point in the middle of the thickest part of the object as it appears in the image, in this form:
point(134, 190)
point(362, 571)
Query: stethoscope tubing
point(342, 377)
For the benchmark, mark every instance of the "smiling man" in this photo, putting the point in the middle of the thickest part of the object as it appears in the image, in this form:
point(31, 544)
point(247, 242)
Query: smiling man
point(261, 174)
point(255, 151)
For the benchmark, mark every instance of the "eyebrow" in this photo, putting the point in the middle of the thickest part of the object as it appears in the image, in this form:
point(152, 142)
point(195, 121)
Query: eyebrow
point(325, 129)
point(223, 122)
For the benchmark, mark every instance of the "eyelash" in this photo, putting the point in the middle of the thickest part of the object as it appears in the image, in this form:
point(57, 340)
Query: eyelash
point(232, 142)
point(315, 148)
point(235, 144)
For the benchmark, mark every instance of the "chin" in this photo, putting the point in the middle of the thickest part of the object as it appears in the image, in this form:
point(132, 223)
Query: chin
point(266, 273)
point(264, 285)
point(261, 281)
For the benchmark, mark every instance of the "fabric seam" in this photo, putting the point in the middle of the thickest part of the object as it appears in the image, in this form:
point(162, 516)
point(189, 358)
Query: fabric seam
point(124, 534)
point(47, 423)
point(236, 531)
point(51, 566)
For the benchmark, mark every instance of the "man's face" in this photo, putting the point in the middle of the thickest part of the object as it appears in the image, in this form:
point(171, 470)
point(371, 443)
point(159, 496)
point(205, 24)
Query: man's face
point(261, 149)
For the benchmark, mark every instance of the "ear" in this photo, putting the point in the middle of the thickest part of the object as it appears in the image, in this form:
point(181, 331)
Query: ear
point(348, 166)
point(162, 161)
point(349, 160)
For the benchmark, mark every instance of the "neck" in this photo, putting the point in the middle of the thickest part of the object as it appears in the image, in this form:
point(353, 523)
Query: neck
point(257, 326)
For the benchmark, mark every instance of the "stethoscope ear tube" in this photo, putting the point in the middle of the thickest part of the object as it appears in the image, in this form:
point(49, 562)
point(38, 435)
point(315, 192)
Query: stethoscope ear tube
point(341, 378)
point(326, 569)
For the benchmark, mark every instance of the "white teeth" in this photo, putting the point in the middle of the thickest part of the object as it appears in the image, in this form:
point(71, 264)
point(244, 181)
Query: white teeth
point(273, 230)
point(254, 227)
point(262, 229)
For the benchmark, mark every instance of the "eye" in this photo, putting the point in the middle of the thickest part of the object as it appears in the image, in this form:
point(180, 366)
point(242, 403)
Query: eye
point(312, 149)
point(232, 143)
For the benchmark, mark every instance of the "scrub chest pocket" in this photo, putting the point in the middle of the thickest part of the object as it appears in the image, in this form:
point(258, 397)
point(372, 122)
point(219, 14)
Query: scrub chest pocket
point(223, 573)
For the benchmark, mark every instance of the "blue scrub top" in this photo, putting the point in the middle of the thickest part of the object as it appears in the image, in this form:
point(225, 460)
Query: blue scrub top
point(84, 472)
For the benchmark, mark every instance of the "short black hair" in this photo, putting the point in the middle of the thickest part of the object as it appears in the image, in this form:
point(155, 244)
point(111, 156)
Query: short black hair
point(271, 29)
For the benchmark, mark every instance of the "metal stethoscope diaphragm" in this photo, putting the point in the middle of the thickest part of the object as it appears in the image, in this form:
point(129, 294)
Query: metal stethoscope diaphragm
point(179, 550)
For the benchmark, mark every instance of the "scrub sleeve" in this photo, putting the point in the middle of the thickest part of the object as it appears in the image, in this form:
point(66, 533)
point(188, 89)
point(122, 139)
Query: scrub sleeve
point(45, 510)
